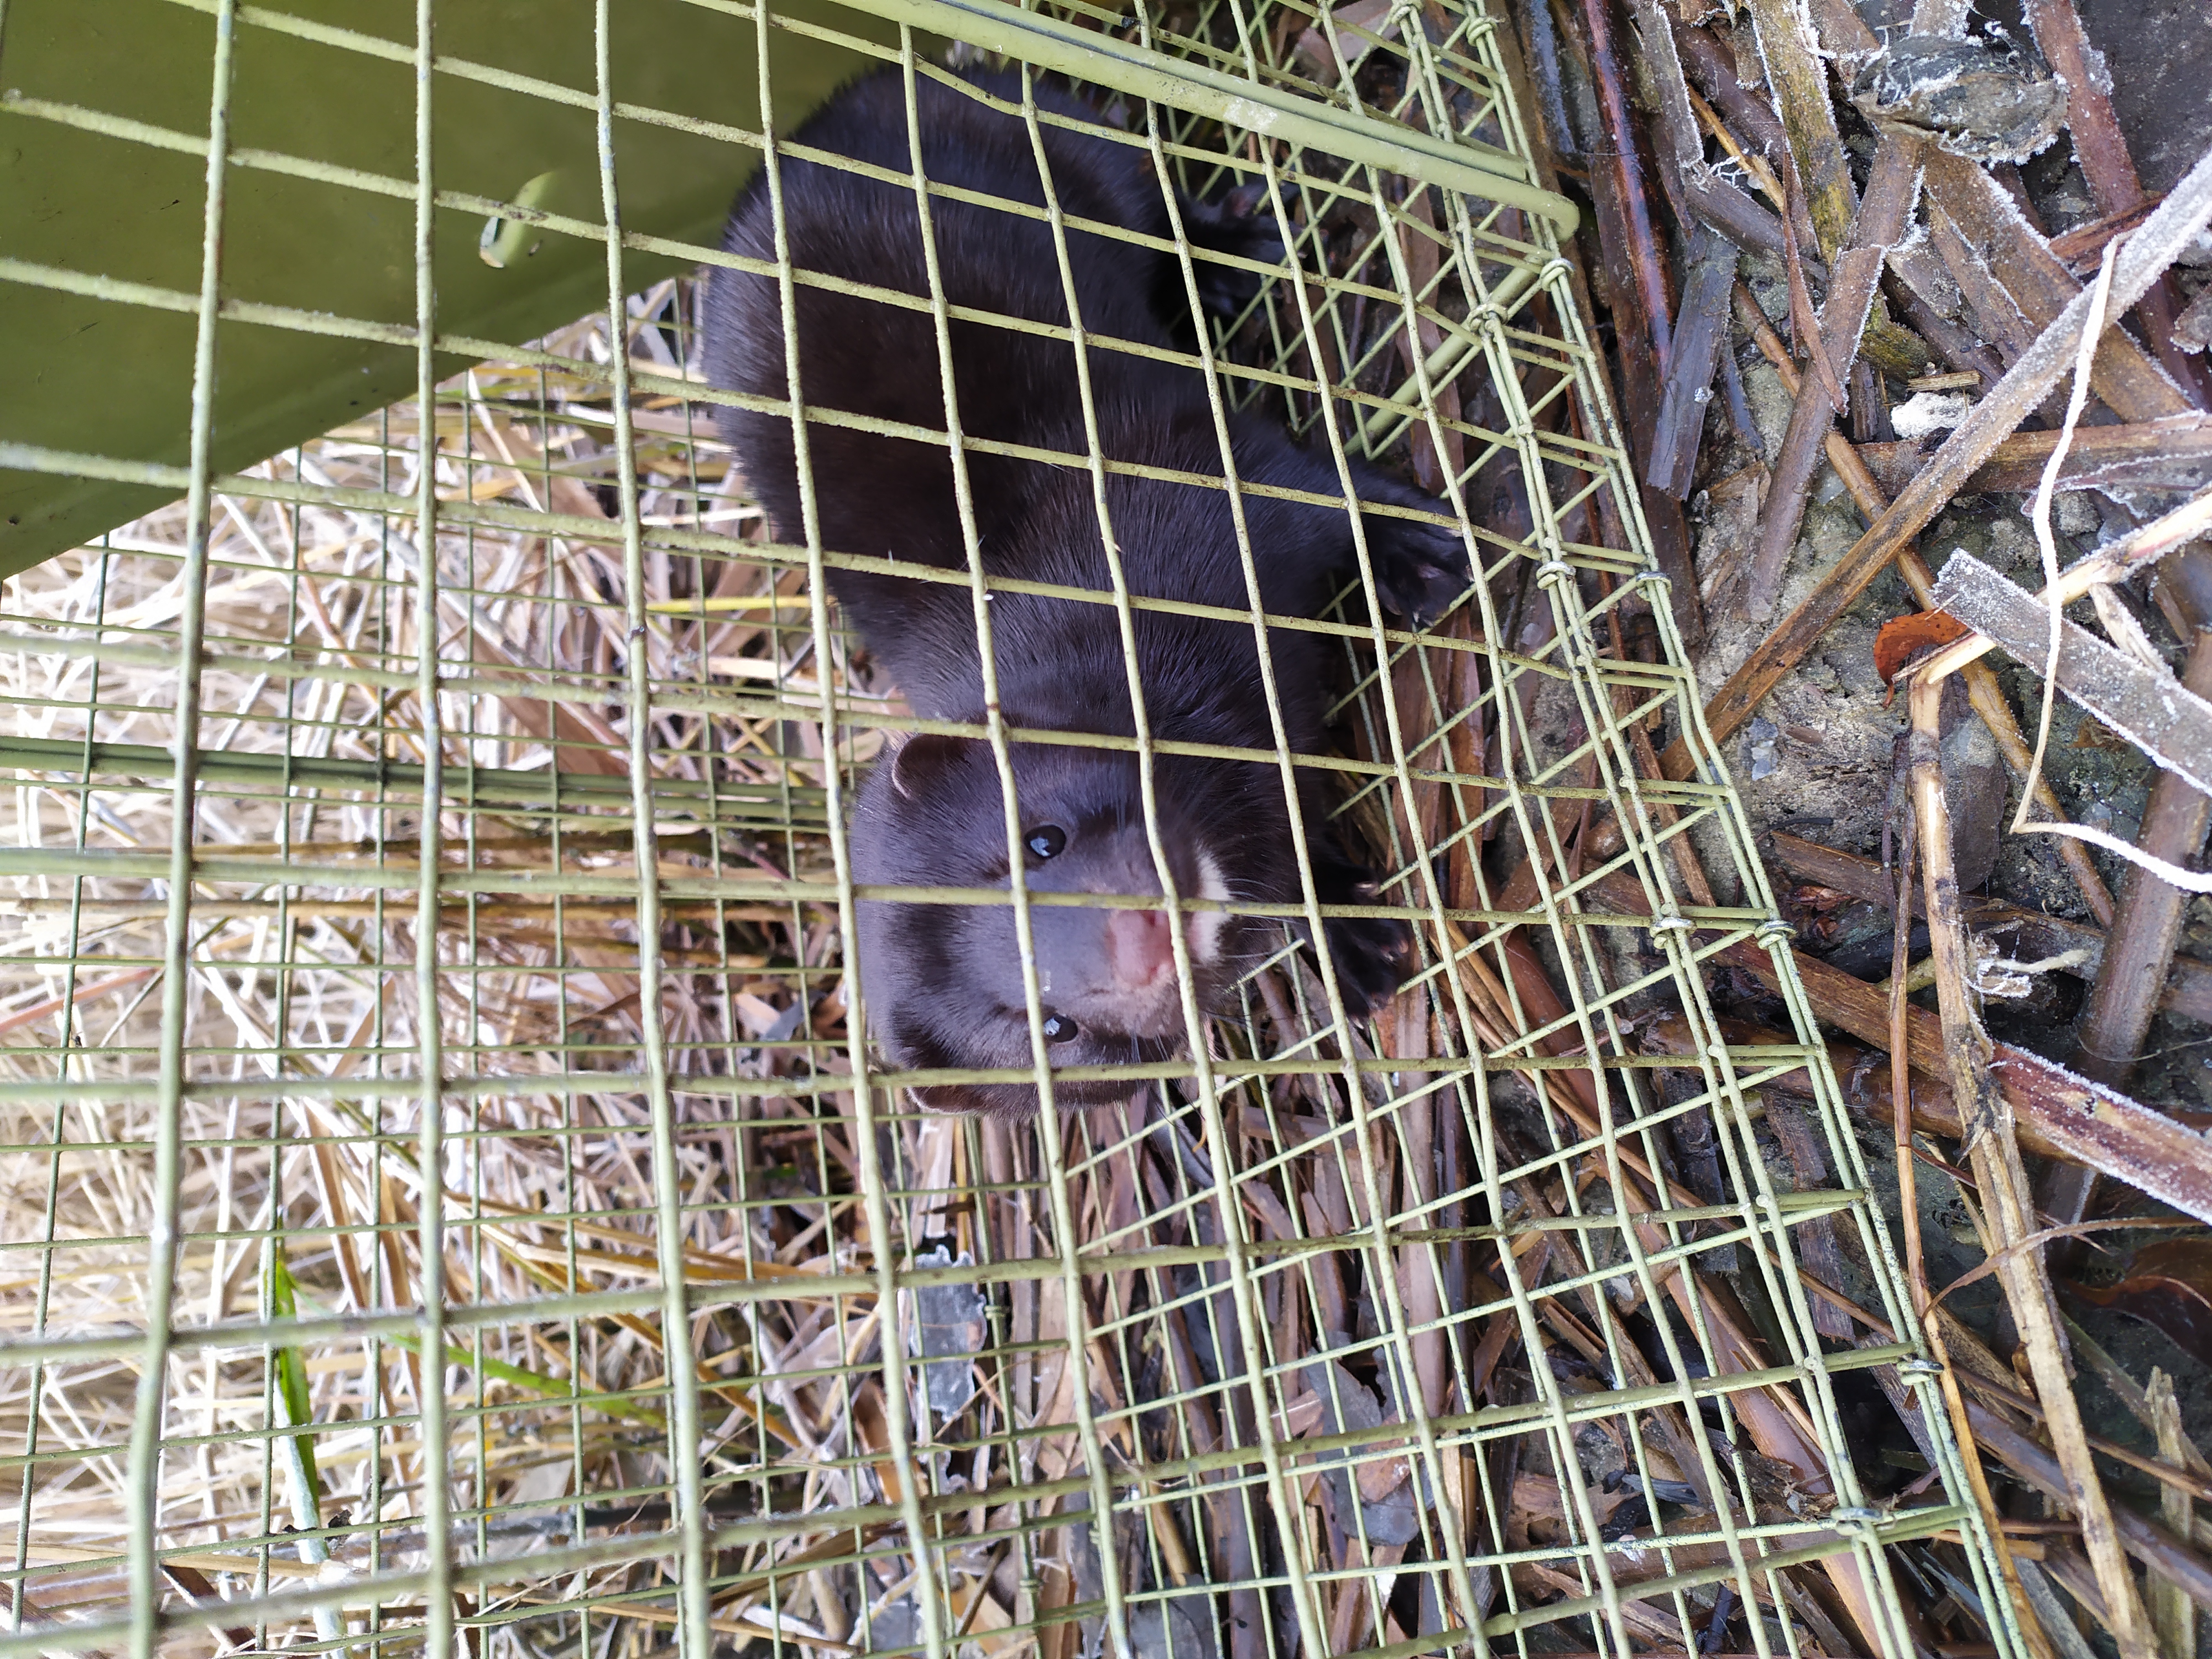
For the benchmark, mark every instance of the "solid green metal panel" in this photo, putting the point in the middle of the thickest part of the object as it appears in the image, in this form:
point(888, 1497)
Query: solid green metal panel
point(81, 193)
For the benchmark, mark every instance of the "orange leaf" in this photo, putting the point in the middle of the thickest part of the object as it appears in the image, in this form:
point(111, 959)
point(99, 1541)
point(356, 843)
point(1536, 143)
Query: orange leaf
point(1904, 638)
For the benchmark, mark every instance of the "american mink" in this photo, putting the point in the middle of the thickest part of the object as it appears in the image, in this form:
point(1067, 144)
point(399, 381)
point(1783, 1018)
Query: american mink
point(942, 983)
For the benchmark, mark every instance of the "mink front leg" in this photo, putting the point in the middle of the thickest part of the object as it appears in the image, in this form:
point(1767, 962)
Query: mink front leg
point(1421, 570)
point(1371, 953)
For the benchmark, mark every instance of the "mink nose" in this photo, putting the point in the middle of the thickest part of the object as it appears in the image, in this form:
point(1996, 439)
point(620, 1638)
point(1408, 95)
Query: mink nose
point(1139, 948)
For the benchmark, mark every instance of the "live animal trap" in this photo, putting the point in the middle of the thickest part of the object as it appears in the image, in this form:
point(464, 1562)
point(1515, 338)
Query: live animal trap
point(627, 1303)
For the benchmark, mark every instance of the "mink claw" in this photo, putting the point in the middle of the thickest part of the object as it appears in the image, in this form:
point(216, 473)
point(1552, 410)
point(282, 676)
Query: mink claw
point(1421, 570)
point(1241, 225)
point(1367, 952)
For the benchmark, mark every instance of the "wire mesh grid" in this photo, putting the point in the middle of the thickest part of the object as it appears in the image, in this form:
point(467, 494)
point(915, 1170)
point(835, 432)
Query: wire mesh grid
point(332, 1325)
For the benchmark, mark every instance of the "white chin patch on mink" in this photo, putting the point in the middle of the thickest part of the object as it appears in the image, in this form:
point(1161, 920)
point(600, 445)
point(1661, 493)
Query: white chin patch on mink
point(1202, 928)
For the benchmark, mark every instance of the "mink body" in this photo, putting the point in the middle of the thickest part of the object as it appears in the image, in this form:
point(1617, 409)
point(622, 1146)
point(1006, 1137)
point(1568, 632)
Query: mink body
point(942, 983)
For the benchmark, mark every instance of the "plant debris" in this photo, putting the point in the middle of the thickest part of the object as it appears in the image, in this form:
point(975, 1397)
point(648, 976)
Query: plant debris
point(2147, 705)
point(1974, 96)
point(1906, 337)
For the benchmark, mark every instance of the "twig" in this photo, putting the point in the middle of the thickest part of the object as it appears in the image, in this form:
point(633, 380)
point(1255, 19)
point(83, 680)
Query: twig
point(1953, 344)
point(2069, 1569)
point(1870, 404)
point(1698, 195)
point(1994, 1262)
point(1710, 67)
point(2078, 248)
point(2102, 150)
point(2186, 210)
point(1642, 308)
point(1739, 407)
point(1908, 1197)
point(2169, 1610)
point(1804, 316)
point(1624, 168)
point(2049, 1612)
point(2140, 951)
point(2170, 454)
point(1995, 1152)
point(1885, 212)
point(2188, 988)
point(1801, 94)
point(1996, 314)
point(2037, 282)
point(1700, 333)
point(1900, 1067)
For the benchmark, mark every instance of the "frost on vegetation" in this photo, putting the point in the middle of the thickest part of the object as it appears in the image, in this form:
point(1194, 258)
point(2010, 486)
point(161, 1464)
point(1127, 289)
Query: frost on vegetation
point(1972, 97)
point(1926, 412)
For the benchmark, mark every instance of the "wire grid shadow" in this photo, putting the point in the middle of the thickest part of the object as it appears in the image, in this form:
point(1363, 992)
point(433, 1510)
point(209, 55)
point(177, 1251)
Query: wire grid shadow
point(480, 1034)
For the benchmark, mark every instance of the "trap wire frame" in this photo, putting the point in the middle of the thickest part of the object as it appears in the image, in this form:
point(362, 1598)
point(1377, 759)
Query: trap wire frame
point(502, 706)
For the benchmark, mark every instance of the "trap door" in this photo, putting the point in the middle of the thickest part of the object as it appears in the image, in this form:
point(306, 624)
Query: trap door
point(108, 117)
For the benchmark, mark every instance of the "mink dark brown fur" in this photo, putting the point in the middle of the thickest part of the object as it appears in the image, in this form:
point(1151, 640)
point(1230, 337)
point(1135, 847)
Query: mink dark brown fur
point(942, 982)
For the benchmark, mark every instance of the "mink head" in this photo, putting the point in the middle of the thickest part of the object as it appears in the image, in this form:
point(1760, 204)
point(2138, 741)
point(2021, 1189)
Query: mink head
point(943, 981)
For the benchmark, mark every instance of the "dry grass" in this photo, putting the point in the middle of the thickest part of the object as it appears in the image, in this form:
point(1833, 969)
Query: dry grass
point(311, 976)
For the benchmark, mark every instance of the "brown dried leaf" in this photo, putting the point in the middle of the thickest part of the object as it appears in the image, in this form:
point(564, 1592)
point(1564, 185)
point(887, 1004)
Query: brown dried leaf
point(2167, 1285)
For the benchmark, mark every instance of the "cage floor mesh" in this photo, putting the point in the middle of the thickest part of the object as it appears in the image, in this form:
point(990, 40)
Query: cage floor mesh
point(451, 1206)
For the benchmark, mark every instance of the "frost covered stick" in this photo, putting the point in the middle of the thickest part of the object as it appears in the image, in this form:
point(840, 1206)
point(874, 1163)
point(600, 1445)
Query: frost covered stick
point(1885, 214)
point(2186, 211)
point(2102, 150)
point(2115, 562)
point(1993, 1147)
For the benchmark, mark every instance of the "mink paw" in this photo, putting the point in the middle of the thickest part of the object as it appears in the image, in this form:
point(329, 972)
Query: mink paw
point(1241, 224)
point(1370, 955)
point(1421, 570)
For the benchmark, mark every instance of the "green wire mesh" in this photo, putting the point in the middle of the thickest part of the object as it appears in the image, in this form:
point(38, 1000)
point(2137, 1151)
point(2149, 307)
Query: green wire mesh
point(476, 1038)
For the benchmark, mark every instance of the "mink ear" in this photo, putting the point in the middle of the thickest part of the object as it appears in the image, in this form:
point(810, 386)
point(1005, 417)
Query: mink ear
point(923, 760)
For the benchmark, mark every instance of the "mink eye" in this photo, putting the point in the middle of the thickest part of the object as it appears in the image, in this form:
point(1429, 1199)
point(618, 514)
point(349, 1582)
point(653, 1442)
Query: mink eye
point(1046, 840)
point(1059, 1027)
